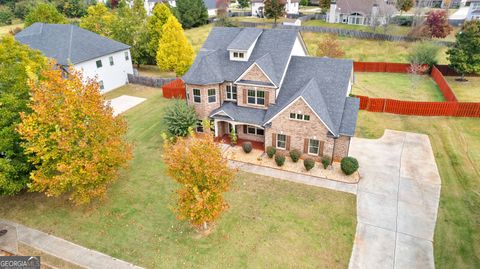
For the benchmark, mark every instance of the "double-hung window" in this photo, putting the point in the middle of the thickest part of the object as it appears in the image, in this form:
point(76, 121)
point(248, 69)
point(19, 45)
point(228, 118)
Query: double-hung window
point(254, 130)
point(196, 96)
point(111, 60)
point(256, 97)
point(127, 57)
point(313, 147)
point(281, 141)
point(231, 92)
point(212, 97)
point(199, 127)
point(99, 63)
point(101, 85)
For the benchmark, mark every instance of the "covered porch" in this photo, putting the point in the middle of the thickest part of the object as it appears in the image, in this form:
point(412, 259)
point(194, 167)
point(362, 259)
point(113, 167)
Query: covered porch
point(225, 139)
point(244, 132)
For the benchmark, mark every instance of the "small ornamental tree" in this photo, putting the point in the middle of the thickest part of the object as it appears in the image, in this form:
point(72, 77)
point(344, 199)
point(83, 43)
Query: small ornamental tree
point(330, 47)
point(179, 118)
point(18, 64)
point(155, 23)
point(99, 19)
point(274, 9)
point(72, 137)
point(405, 5)
point(464, 55)
point(46, 13)
point(196, 163)
point(436, 25)
point(424, 53)
point(174, 51)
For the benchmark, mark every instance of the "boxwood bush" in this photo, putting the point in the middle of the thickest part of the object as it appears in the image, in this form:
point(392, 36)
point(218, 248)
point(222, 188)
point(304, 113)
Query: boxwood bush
point(247, 147)
point(309, 163)
point(325, 162)
point(279, 158)
point(349, 165)
point(295, 155)
point(271, 151)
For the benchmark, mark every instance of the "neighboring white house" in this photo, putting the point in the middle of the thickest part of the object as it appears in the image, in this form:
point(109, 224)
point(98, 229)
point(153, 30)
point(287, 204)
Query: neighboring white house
point(98, 57)
point(361, 12)
point(258, 6)
point(150, 4)
point(469, 10)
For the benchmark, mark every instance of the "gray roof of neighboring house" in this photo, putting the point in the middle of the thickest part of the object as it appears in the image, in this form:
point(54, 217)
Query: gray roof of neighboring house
point(241, 114)
point(213, 64)
point(323, 83)
point(68, 44)
point(364, 7)
point(350, 115)
point(245, 39)
point(210, 4)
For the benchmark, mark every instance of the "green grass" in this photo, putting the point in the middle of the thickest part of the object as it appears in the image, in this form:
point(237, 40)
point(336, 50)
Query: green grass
point(363, 50)
point(456, 145)
point(270, 223)
point(396, 86)
point(153, 71)
point(6, 29)
point(468, 91)
point(391, 30)
point(197, 36)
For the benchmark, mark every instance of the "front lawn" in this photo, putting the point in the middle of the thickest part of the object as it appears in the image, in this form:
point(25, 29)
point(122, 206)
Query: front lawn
point(468, 91)
point(396, 86)
point(270, 223)
point(456, 145)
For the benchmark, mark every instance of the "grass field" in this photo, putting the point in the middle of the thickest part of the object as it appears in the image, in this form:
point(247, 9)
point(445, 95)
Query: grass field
point(468, 91)
point(391, 29)
point(456, 145)
point(270, 223)
point(396, 86)
point(153, 71)
point(197, 36)
point(6, 29)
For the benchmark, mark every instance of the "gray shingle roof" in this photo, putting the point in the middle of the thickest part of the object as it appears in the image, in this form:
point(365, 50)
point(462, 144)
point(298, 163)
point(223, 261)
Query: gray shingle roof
point(276, 43)
point(245, 39)
point(210, 4)
point(350, 115)
point(241, 114)
point(322, 82)
point(68, 43)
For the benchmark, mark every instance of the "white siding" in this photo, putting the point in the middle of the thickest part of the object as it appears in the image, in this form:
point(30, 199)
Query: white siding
point(298, 49)
point(113, 76)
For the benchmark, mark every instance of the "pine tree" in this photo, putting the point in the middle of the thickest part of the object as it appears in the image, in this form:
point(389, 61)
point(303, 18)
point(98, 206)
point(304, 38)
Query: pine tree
point(464, 56)
point(174, 51)
point(72, 137)
point(192, 13)
point(155, 23)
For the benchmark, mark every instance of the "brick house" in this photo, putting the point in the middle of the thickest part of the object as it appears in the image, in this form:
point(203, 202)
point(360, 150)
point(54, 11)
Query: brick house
point(262, 83)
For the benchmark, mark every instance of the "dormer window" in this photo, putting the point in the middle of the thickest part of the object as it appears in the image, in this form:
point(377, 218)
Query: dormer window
point(238, 55)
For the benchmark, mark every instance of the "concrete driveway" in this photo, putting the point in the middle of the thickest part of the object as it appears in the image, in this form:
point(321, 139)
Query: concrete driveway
point(124, 103)
point(397, 201)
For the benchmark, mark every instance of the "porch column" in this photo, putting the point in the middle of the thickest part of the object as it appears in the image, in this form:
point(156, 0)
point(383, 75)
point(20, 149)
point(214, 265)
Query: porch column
point(215, 123)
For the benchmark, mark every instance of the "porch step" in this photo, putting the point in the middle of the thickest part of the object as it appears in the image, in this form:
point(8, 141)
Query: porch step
point(224, 148)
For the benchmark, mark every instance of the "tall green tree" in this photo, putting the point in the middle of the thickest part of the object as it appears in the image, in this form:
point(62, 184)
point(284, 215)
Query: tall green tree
point(192, 13)
point(155, 23)
point(139, 8)
point(46, 13)
point(6, 15)
point(74, 8)
point(274, 9)
point(174, 51)
point(464, 55)
point(243, 3)
point(99, 20)
point(405, 5)
point(18, 64)
point(324, 5)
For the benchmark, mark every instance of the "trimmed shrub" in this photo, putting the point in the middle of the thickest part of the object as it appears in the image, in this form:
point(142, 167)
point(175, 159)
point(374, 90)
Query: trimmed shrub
point(349, 165)
point(309, 163)
point(179, 118)
point(295, 155)
point(325, 162)
point(247, 147)
point(279, 158)
point(271, 151)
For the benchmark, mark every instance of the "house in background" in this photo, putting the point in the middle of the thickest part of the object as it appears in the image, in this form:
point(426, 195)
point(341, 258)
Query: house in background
point(468, 11)
point(150, 4)
point(361, 12)
point(258, 7)
point(261, 83)
point(98, 57)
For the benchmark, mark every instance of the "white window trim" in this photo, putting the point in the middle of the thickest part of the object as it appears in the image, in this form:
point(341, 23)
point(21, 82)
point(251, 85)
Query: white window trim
point(231, 92)
point(256, 130)
point(199, 125)
point(318, 148)
point(256, 97)
point(200, 96)
point(296, 119)
point(214, 95)
point(278, 147)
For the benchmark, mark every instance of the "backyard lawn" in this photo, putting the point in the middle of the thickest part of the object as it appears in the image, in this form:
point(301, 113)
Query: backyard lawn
point(392, 29)
point(456, 145)
point(153, 71)
point(270, 223)
point(396, 86)
point(468, 91)
point(6, 29)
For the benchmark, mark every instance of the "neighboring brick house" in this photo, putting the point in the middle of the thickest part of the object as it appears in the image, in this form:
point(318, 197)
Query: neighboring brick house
point(262, 83)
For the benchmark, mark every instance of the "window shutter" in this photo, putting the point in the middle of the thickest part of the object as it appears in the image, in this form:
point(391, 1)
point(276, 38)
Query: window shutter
point(267, 102)
point(245, 96)
point(320, 149)
point(288, 143)
point(244, 129)
point(305, 146)
point(274, 140)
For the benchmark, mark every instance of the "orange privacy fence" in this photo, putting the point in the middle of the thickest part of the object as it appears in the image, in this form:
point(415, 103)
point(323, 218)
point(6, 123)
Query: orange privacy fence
point(174, 89)
point(447, 92)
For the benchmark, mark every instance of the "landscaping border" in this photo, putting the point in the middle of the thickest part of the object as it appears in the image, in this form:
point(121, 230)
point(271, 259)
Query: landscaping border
point(451, 107)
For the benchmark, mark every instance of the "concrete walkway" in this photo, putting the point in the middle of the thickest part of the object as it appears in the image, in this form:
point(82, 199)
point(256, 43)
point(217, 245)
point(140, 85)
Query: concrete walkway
point(124, 103)
point(294, 177)
point(397, 202)
point(54, 251)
